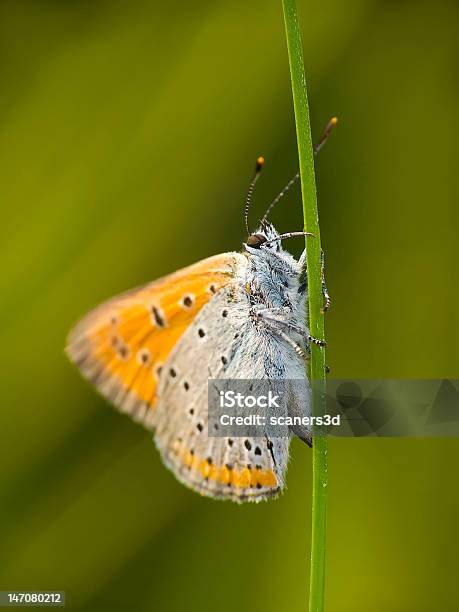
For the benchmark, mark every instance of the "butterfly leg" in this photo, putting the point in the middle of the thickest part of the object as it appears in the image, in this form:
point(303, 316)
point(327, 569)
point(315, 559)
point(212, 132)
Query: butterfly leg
point(327, 299)
point(266, 316)
point(261, 311)
point(296, 347)
point(299, 330)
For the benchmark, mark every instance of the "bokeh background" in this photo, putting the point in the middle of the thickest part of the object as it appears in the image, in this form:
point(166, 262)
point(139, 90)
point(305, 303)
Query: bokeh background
point(128, 133)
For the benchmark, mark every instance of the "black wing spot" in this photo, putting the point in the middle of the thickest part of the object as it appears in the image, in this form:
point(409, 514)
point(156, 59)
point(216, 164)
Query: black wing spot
point(257, 450)
point(123, 351)
point(157, 316)
point(269, 444)
point(143, 356)
point(201, 332)
point(248, 445)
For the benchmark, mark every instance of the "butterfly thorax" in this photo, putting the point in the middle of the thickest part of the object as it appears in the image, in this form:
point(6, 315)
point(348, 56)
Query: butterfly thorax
point(273, 277)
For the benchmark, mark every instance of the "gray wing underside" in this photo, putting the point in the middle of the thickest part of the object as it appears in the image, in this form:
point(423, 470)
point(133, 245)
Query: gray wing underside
point(220, 343)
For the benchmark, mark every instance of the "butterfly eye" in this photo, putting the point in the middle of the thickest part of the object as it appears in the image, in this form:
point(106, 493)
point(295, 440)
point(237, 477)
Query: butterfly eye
point(256, 240)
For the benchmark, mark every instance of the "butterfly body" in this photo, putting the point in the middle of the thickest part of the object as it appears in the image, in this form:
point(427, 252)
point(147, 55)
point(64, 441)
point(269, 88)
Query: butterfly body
point(233, 316)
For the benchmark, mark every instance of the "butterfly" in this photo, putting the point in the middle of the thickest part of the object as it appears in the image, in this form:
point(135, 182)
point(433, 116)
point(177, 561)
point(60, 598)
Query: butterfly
point(237, 315)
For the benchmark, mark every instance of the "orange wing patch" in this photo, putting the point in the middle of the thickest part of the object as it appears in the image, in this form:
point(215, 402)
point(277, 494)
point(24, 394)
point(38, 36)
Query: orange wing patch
point(237, 482)
point(122, 345)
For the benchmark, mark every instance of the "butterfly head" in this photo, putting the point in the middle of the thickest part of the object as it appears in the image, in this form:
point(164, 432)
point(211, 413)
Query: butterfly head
point(261, 239)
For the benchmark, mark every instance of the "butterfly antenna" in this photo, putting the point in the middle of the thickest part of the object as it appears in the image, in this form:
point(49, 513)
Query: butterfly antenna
point(322, 140)
point(325, 134)
point(290, 184)
point(259, 165)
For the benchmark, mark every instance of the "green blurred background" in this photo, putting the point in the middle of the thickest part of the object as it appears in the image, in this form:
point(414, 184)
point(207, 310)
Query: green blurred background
point(128, 135)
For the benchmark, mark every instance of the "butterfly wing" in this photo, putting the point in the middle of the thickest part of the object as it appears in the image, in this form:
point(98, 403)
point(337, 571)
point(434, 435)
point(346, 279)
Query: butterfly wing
point(122, 346)
point(221, 342)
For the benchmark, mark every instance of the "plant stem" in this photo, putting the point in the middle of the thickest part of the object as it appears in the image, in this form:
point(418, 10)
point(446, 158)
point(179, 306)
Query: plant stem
point(316, 318)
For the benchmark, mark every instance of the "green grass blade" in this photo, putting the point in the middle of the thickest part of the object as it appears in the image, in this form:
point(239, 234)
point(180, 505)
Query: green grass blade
point(316, 319)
